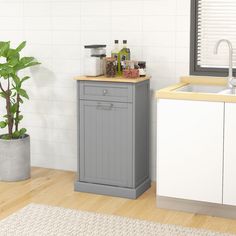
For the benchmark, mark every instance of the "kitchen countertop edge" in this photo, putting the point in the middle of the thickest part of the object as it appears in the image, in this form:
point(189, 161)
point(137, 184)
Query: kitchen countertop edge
point(117, 79)
point(171, 93)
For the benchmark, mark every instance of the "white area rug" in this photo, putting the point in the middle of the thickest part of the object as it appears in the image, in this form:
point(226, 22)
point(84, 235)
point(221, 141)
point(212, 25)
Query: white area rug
point(41, 220)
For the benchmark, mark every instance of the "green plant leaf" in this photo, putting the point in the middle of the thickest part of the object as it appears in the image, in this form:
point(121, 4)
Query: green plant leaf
point(13, 57)
point(13, 108)
point(3, 66)
point(21, 46)
point(4, 47)
point(6, 136)
point(3, 73)
point(16, 134)
point(17, 81)
point(23, 93)
point(3, 124)
point(35, 63)
point(24, 79)
point(21, 101)
point(20, 117)
point(13, 95)
point(23, 131)
point(7, 71)
point(13, 61)
point(26, 62)
point(2, 94)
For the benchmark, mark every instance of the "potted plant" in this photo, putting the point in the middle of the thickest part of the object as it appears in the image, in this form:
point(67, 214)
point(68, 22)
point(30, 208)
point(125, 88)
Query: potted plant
point(15, 144)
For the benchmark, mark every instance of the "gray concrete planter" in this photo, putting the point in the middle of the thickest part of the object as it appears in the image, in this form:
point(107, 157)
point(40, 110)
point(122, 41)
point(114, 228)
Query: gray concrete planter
point(15, 159)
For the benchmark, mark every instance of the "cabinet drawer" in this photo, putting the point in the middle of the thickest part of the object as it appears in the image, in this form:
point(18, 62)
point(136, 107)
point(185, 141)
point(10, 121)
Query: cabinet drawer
point(106, 91)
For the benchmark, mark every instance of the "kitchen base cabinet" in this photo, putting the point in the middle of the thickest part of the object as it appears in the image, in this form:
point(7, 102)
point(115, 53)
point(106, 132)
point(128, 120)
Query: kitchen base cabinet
point(196, 153)
point(189, 150)
point(196, 157)
point(113, 140)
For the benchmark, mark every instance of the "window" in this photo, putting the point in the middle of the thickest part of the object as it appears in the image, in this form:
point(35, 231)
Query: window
point(212, 20)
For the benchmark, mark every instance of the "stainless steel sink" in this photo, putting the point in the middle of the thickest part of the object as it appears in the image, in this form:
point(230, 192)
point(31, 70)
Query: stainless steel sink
point(230, 91)
point(201, 88)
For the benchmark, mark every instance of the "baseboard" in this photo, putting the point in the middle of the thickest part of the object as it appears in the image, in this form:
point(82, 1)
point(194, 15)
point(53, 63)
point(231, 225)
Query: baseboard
point(196, 207)
point(131, 193)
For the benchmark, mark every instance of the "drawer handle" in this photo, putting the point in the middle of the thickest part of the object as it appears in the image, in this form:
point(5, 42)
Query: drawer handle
point(105, 107)
point(105, 92)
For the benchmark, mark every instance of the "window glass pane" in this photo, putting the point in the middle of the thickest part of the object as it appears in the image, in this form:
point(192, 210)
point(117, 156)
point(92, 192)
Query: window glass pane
point(216, 20)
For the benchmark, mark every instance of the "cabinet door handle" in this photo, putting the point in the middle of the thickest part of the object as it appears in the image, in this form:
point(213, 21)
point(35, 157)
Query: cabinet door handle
point(105, 92)
point(105, 107)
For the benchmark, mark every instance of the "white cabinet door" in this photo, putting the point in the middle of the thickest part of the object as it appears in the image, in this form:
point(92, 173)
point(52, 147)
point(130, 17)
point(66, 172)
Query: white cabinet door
point(190, 150)
point(229, 196)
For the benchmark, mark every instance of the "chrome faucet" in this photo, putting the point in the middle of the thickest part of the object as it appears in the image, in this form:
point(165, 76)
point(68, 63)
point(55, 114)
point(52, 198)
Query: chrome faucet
point(231, 82)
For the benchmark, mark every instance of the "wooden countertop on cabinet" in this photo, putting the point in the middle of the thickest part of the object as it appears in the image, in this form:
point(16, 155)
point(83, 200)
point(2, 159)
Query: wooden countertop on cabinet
point(118, 79)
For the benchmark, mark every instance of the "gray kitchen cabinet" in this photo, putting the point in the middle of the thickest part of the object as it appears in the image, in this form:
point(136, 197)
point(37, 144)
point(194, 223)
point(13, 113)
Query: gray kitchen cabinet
point(113, 138)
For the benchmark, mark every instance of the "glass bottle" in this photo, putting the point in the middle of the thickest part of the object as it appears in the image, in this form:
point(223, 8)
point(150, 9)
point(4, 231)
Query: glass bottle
point(124, 56)
point(115, 53)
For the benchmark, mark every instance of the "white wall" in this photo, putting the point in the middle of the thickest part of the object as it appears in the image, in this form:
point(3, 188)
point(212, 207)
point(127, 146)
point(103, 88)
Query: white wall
point(56, 30)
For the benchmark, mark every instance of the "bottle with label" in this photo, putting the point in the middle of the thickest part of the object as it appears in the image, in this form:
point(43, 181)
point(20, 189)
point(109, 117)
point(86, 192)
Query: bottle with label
point(115, 53)
point(124, 56)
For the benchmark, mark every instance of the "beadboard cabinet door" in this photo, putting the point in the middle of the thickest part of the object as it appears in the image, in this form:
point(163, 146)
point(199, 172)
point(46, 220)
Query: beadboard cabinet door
point(190, 150)
point(106, 143)
point(229, 197)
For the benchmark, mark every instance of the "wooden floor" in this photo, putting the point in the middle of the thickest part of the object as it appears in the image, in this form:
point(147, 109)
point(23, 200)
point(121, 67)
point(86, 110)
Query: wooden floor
point(55, 187)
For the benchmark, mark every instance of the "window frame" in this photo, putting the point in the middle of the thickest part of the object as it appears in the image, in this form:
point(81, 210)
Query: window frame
point(194, 68)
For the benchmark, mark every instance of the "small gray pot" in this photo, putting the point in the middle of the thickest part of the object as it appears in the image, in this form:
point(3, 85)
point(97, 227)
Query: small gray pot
point(15, 159)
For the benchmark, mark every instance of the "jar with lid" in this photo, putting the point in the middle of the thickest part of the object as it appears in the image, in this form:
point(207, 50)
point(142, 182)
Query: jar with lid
point(110, 66)
point(142, 68)
point(131, 69)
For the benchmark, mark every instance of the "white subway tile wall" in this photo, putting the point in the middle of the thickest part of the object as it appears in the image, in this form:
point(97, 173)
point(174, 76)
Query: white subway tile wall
point(56, 30)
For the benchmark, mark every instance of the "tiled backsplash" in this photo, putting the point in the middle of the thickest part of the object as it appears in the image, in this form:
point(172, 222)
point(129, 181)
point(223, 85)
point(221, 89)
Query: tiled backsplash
point(56, 30)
